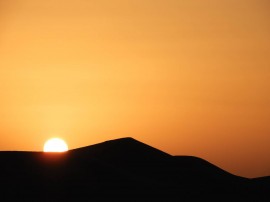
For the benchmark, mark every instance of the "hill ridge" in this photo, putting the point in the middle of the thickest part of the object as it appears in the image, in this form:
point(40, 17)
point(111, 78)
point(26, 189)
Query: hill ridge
point(122, 168)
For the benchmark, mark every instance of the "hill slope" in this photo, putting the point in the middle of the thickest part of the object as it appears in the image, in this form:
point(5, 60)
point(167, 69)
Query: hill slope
point(123, 169)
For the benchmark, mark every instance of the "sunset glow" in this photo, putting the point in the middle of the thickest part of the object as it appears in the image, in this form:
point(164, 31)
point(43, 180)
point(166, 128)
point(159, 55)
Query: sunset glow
point(190, 77)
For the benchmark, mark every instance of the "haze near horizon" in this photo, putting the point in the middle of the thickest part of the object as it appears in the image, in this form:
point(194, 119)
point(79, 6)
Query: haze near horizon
point(188, 77)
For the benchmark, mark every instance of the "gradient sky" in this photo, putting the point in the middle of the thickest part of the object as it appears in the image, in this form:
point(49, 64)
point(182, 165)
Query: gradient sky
point(188, 77)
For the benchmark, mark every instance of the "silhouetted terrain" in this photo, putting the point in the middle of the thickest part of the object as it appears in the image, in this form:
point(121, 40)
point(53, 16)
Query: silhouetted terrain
point(121, 169)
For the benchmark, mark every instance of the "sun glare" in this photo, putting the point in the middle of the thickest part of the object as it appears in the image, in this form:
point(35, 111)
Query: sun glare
point(55, 145)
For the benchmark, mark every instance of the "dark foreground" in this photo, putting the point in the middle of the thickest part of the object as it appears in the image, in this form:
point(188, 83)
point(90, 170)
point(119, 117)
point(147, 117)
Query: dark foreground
point(122, 169)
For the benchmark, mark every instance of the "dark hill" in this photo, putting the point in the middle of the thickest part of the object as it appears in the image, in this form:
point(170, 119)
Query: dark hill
point(120, 169)
point(122, 150)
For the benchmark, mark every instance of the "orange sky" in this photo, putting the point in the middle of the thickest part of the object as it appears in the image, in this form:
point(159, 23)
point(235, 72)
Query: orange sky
point(188, 77)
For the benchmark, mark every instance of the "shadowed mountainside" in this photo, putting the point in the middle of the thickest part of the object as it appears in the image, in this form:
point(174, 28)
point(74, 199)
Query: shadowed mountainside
point(121, 169)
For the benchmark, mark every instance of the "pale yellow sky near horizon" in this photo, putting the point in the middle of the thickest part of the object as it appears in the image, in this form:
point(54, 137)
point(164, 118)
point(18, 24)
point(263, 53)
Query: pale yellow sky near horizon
point(188, 77)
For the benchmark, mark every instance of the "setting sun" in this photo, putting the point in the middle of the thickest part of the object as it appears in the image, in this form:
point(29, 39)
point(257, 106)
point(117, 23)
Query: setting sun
point(55, 145)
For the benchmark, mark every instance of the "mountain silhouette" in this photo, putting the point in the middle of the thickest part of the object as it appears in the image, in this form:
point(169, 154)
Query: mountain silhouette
point(121, 169)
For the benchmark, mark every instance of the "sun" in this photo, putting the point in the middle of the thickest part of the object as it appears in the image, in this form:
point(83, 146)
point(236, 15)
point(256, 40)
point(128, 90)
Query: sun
point(55, 145)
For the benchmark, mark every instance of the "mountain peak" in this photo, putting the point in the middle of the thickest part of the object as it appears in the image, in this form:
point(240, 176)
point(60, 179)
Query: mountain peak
point(123, 139)
point(123, 149)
